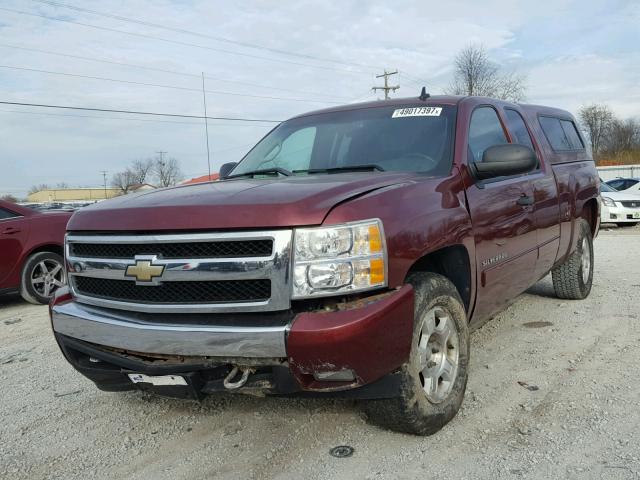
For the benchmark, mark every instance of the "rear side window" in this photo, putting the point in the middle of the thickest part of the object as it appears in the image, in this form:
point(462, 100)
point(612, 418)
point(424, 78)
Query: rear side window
point(562, 134)
point(485, 130)
point(571, 132)
point(4, 214)
point(518, 129)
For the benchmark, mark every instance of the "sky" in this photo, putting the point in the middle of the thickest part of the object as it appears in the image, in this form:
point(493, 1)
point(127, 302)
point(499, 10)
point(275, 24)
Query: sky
point(304, 55)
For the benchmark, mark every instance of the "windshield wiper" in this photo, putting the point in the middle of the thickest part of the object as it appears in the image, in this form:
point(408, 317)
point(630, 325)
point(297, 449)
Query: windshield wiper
point(264, 171)
point(353, 168)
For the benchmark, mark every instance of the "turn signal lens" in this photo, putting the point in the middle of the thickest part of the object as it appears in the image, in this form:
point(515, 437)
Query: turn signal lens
point(375, 239)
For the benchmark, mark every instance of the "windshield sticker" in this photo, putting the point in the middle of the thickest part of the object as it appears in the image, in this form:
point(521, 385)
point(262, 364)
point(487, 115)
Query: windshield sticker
point(417, 112)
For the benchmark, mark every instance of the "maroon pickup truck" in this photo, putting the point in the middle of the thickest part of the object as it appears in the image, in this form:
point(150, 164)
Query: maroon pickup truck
point(349, 253)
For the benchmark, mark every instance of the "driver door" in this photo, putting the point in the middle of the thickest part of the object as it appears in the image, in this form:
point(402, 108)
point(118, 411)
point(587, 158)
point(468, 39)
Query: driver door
point(503, 222)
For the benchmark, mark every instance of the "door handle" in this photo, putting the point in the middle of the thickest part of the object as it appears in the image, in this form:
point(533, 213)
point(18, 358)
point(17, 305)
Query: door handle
point(525, 200)
point(11, 230)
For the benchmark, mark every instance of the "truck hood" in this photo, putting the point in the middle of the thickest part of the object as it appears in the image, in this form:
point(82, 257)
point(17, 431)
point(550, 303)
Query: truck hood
point(237, 203)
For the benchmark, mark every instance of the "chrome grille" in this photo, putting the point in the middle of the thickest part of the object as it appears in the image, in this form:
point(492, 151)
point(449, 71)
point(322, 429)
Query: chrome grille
point(176, 292)
point(200, 272)
point(631, 204)
point(226, 249)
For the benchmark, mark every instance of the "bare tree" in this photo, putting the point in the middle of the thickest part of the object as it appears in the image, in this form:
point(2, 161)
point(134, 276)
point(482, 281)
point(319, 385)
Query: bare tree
point(622, 136)
point(37, 188)
point(141, 169)
point(9, 198)
point(167, 172)
point(476, 74)
point(62, 185)
point(123, 180)
point(596, 123)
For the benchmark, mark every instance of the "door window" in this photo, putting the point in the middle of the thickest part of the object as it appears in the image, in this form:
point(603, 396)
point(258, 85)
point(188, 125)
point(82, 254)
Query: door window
point(485, 130)
point(4, 214)
point(518, 129)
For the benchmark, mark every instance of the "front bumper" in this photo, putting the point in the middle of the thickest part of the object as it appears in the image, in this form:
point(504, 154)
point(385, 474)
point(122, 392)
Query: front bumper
point(370, 337)
point(619, 214)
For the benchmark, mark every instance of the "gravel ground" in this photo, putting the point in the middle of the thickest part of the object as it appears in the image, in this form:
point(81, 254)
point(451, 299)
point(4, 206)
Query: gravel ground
point(581, 422)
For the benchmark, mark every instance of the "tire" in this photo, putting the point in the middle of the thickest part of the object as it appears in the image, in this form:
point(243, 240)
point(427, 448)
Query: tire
point(415, 411)
point(43, 268)
point(572, 279)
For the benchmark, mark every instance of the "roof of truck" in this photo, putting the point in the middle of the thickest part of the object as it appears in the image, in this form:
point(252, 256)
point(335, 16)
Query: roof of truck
point(434, 99)
point(393, 102)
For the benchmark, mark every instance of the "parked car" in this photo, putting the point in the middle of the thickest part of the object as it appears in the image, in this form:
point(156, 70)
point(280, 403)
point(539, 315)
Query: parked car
point(31, 251)
point(622, 184)
point(621, 208)
point(351, 251)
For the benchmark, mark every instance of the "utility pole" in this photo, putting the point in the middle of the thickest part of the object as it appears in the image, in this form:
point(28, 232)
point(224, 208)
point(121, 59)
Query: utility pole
point(386, 87)
point(104, 177)
point(161, 153)
point(206, 126)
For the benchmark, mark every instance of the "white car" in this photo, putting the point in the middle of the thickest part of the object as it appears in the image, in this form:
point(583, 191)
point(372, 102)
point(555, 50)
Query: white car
point(622, 208)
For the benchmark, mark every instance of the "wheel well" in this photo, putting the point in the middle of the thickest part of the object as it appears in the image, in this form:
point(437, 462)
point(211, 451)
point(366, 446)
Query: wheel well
point(451, 262)
point(48, 248)
point(590, 214)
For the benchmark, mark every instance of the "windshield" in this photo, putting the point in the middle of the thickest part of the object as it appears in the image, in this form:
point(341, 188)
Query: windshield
point(606, 188)
point(410, 139)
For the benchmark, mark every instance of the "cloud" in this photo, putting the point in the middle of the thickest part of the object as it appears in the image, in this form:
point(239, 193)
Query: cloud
point(573, 52)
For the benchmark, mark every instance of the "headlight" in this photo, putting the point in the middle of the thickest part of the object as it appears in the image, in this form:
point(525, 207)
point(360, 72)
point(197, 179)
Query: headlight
point(339, 259)
point(608, 202)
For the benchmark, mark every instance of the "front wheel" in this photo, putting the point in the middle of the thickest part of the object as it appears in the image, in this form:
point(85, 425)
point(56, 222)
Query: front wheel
point(435, 378)
point(43, 273)
point(572, 279)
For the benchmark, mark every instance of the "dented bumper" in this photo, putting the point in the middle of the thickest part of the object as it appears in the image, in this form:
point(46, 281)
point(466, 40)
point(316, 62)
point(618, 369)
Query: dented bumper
point(369, 338)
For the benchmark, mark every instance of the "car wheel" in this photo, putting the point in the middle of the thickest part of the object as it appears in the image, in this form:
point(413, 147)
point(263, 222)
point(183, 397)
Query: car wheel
point(434, 380)
point(42, 274)
point(573, 278)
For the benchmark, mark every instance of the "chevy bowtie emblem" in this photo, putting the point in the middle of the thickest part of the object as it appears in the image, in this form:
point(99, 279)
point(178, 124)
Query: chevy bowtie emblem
point(144, 271)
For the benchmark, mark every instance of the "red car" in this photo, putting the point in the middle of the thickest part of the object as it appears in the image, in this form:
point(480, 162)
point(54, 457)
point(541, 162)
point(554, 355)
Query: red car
point(31, 251)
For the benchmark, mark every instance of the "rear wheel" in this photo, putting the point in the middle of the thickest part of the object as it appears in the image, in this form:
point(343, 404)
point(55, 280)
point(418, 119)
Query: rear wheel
point(42, 274)
point(573, 278)
point(434, 381)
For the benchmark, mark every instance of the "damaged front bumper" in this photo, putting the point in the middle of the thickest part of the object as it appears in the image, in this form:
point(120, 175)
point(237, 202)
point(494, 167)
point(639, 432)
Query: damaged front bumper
point(352, 348)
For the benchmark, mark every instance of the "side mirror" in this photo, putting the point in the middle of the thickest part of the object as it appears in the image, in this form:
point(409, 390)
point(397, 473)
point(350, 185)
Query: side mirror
point(226, 169)
point(505, 160)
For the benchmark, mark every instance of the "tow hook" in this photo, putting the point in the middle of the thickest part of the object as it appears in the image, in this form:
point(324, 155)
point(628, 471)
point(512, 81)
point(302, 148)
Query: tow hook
point(229, 385)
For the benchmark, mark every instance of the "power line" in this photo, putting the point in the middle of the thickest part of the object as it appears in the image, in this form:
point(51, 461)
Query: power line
point(134, 112)
point(130, 119)
point(174, 87)
point(162, 70)
point(203, 35)
point(177, 42)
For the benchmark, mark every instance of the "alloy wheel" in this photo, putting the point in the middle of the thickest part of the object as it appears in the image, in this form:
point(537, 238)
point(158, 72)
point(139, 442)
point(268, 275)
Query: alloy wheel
point(438, 351)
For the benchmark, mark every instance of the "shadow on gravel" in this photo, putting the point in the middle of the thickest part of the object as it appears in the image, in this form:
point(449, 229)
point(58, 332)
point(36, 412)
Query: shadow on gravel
point(243, 404)
point(544, 288)
point(11, 300)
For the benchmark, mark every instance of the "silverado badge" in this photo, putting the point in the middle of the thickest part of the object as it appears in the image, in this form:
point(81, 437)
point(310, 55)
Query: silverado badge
point(144, 271)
